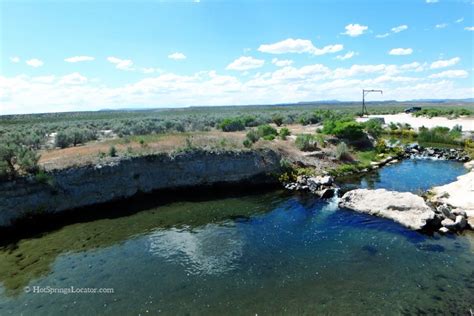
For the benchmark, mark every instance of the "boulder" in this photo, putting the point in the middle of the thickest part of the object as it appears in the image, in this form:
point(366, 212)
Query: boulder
point(448, 223)
point(460, 222)
point(443, 230)
point(406, 208)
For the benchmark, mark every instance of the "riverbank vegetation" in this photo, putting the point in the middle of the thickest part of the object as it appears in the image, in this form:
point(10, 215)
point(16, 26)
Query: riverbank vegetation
point(307, 127)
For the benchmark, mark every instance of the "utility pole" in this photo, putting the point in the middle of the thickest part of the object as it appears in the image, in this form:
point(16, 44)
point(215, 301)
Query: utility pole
point(364, 93)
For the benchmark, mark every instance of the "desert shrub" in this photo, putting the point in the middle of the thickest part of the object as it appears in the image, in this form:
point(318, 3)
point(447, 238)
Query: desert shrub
point(284, 133)
point(112, 151)
point(393, 126)
point(247, 143)
point(277, 119)
point(232, 125)
point(253, 136)
point(342, 152)
point(17, 159)
point(380, 146)
point(344, 129)
point(305, 142)
point(269, 137)
point(374, 127)
point(266, 130)
point(42, 177)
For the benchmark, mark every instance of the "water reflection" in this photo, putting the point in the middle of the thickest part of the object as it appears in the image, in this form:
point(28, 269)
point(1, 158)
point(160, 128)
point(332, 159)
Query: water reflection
point(211, 250)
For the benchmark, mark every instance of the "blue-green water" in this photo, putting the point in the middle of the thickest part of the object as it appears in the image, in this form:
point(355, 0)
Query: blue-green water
point(415, 175)
point(271, 253)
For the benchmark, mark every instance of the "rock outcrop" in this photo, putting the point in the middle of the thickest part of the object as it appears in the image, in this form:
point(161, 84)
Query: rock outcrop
point(457, 198)
point(85, 186)
point(321, 186)
point(406, 208)
point(420, 152)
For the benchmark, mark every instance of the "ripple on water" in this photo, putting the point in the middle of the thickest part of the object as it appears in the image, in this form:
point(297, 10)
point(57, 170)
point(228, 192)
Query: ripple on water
point(261, 254)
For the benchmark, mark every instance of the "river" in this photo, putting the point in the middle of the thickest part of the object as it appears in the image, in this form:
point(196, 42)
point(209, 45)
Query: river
point(262, 253)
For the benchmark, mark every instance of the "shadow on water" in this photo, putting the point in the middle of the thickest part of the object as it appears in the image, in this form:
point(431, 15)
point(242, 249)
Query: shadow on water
point(31, 257)
point(33, 226)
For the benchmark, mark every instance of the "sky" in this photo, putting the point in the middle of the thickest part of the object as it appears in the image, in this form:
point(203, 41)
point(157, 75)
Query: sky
point(88, 55)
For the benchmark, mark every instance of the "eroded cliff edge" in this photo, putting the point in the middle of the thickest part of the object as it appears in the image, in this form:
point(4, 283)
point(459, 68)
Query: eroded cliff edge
point(123, 178)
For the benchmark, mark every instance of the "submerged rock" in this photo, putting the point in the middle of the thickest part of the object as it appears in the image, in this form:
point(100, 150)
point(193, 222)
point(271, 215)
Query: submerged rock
point(406, 208)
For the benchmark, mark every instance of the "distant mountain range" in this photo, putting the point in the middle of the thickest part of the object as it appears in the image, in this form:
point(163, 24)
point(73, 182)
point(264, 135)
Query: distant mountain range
point(348, 103)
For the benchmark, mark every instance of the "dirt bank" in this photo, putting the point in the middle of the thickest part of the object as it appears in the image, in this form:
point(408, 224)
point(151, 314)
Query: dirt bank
point(123, 178)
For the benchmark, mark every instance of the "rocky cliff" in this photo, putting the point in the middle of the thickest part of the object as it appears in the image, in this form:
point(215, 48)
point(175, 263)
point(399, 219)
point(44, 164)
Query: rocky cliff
point(84, 186)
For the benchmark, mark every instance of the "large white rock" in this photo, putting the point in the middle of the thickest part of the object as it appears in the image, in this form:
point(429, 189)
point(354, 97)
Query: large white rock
point(405, 208)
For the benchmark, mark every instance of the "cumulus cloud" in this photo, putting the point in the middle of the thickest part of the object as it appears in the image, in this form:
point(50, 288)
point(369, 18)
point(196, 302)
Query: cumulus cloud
point(298, 46)
point(284, 84)
point(459, 20)
point(355, 30)
point(469, 28)
point(401, 51)
point(441, 26)
point(432, 1)
point(445, 63)
point(76, 59)
point(414, 66)
point(399, 28)
point(35, 63)
point(450, 74)
point(245, 63)
point(282, 62)
point(73, 79)
point(177, 56)
point(15, 59)
point(347, 55)
point(122, 64)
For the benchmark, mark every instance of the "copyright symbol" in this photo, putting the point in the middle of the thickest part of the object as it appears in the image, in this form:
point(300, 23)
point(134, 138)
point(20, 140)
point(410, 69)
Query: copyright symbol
point(27, 289)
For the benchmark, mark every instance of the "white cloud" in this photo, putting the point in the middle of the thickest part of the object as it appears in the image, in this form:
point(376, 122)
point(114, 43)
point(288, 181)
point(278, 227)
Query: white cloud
point(151, 70)
point(354, 30)
point(451, 74)
point(469, 28)
point(401, 51)
point(382, 35)
point(245, 63)
point(282, 62)
point(122, 64)
point(414, 66)
point(177, 56)
point(73, 79)
point(441, 26)
point(399, 29)
point(76, 59)
point(15, 59)
point(459, 20)
point(298, 46)
point(445, 63)
point(347, 55)
point(23, 94)
point(432, 1)
point(34, 62)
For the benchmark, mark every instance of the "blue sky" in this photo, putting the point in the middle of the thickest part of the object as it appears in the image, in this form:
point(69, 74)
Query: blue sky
point(88, 55)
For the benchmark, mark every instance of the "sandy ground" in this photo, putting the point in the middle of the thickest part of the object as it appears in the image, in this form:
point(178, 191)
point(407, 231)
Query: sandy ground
point(467, 123)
